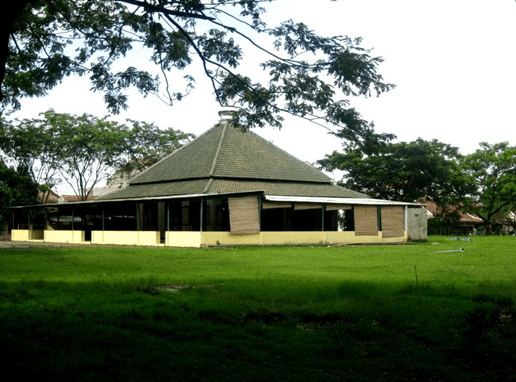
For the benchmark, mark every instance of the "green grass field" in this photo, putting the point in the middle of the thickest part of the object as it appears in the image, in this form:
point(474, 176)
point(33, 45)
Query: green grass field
point(410, 312)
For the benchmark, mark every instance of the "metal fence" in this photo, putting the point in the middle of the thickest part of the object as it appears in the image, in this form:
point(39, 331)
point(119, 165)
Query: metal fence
point(451, 231)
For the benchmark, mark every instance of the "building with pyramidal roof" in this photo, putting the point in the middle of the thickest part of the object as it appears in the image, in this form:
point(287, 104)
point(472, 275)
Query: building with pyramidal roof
point(230, 187)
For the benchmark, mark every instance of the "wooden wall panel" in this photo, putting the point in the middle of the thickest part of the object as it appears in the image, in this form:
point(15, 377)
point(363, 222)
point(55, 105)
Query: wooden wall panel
point(268, 205)
point(392, 221)
point(243, 215)
point(307, 206)
point(366, 220)
point(334, 207)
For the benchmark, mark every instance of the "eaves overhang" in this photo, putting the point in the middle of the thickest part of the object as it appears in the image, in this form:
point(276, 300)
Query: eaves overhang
point(270, 198)
point(327, 200)
point(138, 199)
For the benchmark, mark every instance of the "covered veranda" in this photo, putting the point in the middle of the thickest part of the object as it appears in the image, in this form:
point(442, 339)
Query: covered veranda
point(251, 218)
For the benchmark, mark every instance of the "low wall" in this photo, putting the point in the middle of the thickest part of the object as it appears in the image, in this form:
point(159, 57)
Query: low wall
point(20, 235)
point(49, 236)
point(198, 239)
point(57, 236)
point(183, 239)
point(347, 237)
point(225, 238)
point(403, 238)
point(293, 238)
point(125, 237)
point(26, 235)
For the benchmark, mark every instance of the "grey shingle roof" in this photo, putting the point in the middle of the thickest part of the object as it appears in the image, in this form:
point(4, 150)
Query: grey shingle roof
point(249, 156)
point(229, 186)
point(227, 160)
point(226, 152)
point(224, 186)
point(192, 161)
point(187, 187)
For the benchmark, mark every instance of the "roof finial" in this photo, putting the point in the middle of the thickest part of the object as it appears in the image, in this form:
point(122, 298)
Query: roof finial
point(227, 114)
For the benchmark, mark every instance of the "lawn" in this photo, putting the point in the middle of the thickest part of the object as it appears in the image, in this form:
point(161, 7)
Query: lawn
point(415, 312)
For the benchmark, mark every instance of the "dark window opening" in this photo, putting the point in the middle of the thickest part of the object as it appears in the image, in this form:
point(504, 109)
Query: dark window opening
point(347, 220)
point(276, 219)
point(331, 220)
point(307, 220)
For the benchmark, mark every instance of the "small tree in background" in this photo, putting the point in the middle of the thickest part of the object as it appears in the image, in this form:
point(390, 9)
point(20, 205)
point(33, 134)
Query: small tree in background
point(82, 151)
point(147, 145)
point(86, 148)
point(493, 170)
point(28, 144)
point(16, 188)
point(413, 171)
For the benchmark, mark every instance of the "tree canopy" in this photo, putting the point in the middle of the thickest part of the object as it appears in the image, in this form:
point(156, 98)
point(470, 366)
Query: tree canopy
point(492, 169)
point(84, 150)
point(31, 146)
point(482, 183)
point(146, 144)
point(403, 171)
point(311, 76)
point(16, 188)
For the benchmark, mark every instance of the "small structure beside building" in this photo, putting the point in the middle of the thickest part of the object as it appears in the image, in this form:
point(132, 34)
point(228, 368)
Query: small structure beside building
point(227, 187)
point(48, 197)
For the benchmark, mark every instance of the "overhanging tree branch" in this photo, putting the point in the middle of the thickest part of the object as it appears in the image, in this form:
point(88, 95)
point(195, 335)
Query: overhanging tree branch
point(161, 9)
point(314, 90)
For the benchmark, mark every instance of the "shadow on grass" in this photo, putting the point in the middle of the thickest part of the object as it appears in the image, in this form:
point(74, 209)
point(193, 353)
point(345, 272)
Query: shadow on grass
point(266, 329)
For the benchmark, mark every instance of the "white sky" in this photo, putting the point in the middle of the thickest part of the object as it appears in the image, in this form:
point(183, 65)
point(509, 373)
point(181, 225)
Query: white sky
point(453, 63)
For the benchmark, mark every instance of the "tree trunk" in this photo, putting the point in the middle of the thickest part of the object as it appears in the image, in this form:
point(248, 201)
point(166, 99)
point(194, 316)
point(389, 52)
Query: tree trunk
point(10, 12)
point(488, 228)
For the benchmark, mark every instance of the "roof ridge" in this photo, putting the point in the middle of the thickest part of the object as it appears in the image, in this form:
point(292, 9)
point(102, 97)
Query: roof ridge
point(225, 151)
point(226, 165)
point(208, 185)
point(173, 153)
point(212, 170)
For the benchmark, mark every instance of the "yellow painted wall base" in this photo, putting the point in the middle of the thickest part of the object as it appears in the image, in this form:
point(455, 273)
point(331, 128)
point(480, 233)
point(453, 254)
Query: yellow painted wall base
point(183, 239)
point(20, 235)
point(125, 237)
point(26, 235)
point(55, 236)
point(199, 239)
point(293, 238)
